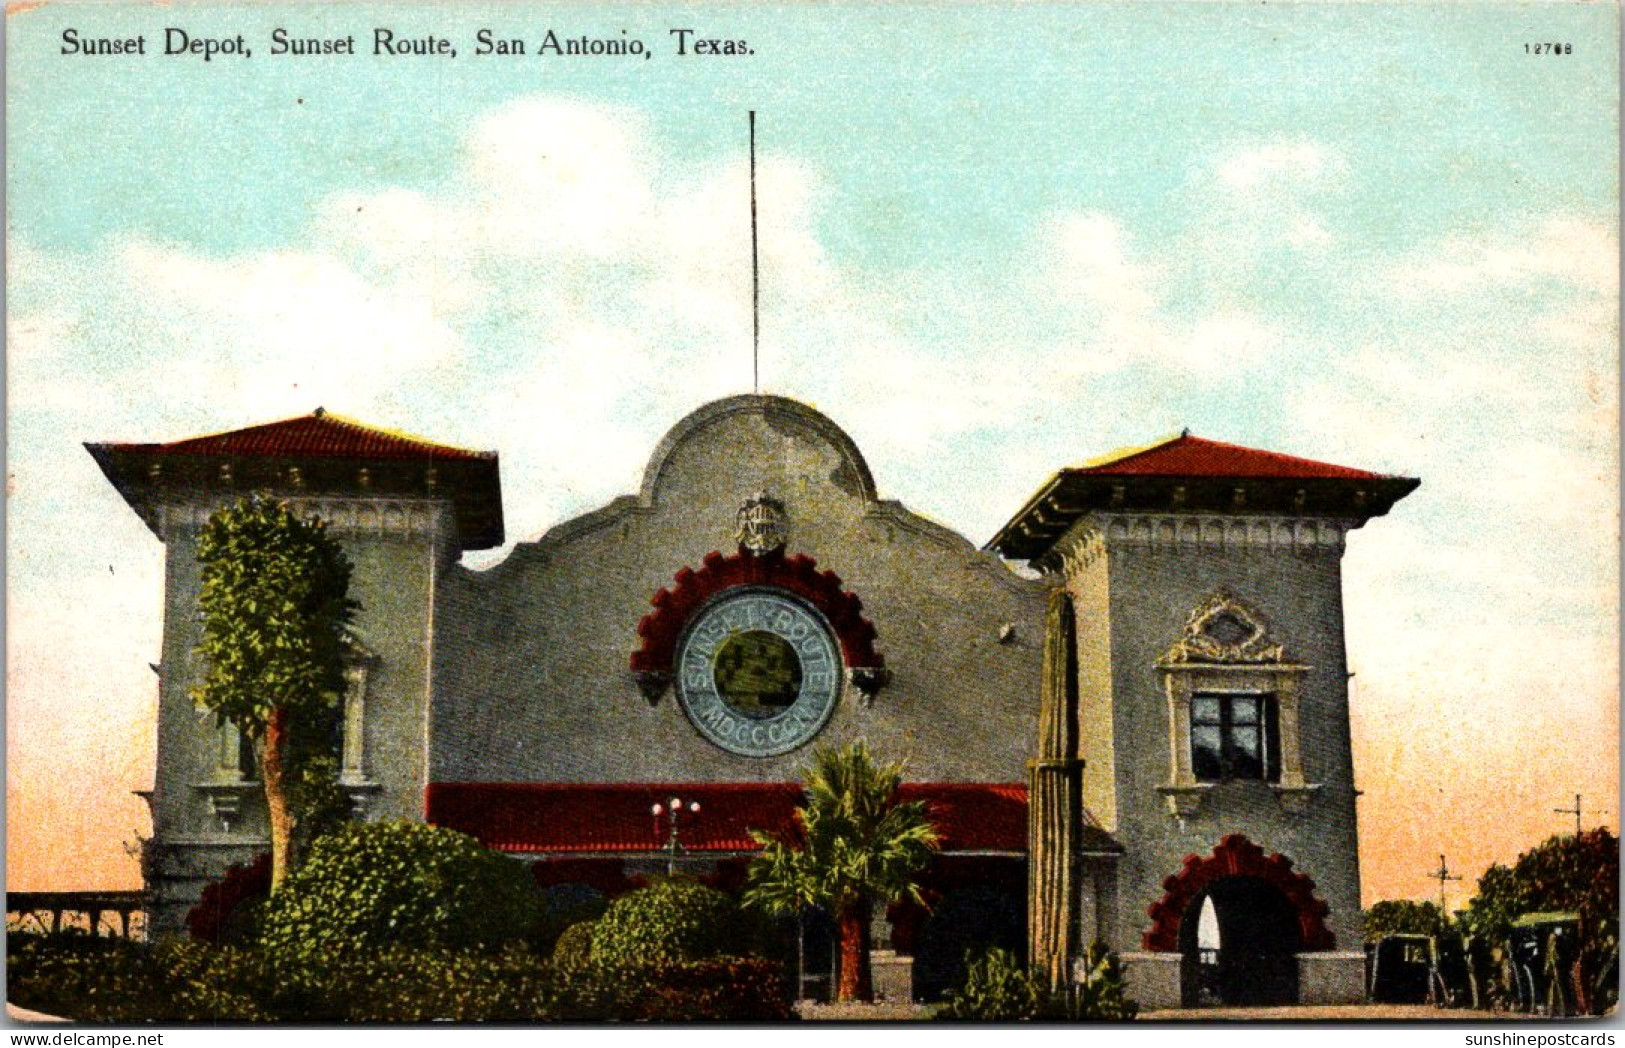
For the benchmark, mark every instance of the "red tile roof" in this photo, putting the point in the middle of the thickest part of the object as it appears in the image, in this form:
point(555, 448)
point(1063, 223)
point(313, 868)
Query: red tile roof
point(1188, 456)
point(574, 818)
point(317, 435)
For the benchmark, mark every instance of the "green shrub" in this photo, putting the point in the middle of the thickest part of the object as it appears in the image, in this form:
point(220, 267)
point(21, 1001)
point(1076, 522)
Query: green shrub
point(731, 989)
point(204, 983)
point(396, 884)
point(107, 980)
point(397, 984)
point(83, 977)
point(574, 948)
point(996, 988)
point(1099, 995)
point(670, 921)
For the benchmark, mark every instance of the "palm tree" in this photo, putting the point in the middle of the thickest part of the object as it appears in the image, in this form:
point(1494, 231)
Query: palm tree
point(857, 846)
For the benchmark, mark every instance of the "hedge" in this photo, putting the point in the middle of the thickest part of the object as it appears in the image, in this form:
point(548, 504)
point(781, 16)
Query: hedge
point(397, 884)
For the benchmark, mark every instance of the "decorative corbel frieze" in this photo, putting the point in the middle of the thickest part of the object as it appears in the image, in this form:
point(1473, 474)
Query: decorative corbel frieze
point(1080, 547)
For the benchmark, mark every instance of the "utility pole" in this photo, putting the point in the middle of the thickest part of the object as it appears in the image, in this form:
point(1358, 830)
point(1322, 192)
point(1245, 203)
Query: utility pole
point(1443, 874)
point(1577, 811)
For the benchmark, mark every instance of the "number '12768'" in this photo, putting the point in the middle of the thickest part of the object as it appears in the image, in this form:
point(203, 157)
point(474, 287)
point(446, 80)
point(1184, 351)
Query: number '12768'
point(1548, 49)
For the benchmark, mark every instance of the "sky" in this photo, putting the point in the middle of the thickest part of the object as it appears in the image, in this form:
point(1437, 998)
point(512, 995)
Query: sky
point(995, 241)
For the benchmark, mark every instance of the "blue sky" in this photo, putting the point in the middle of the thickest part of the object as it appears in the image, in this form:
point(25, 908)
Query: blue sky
point(995, 241)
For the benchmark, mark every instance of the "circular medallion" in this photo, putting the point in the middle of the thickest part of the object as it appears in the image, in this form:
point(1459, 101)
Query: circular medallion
point(758, 673)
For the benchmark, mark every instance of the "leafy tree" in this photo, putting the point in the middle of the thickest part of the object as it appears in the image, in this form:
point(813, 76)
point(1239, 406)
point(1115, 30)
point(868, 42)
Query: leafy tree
point(857, 846)
point(1404, 917)
point(1569, 873)
point(275, 603)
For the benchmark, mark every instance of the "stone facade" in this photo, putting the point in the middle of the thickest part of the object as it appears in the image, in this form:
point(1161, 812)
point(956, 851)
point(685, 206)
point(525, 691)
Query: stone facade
point(536, 686)
point(208, 809)
point(1199, 572)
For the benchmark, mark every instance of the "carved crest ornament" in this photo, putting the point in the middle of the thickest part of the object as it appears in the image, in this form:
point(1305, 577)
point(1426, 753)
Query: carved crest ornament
point(1226, 631)
point(760, 524)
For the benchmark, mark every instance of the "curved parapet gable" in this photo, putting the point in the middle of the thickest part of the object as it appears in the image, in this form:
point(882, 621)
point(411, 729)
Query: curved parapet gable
point(852, 474)
point(558, 643)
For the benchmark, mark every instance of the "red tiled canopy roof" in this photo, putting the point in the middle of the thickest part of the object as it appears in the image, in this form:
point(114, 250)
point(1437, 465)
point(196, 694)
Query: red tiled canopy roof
point(557, 818)
point(1187, 474)
point(1188, 456)
point(319, 455)
point(317, 435)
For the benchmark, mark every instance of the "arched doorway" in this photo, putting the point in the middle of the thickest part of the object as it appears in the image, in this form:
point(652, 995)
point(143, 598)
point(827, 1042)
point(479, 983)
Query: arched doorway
point(1240, 942)
point(1259, 909)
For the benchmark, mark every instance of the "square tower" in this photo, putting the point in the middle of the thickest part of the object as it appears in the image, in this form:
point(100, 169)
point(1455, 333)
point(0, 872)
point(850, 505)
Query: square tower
point(1213, 720)
point(403, 509)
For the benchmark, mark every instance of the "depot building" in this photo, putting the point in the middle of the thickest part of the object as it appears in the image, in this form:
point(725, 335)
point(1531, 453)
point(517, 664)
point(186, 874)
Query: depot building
point(757, 597)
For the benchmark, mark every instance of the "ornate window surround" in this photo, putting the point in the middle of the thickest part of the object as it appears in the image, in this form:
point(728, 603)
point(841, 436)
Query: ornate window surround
point(228, 787)
point(1226, 646)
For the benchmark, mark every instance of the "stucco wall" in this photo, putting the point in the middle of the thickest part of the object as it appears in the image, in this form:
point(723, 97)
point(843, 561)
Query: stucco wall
point(532, 682)
point(1153, 591)
point(396, 555)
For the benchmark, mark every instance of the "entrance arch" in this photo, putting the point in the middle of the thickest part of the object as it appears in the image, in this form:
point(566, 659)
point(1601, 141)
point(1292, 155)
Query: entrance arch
point(1264, 912)
point(1240, 942)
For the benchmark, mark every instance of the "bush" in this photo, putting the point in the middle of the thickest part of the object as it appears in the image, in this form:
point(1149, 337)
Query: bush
point(996, 988)
point(92, 979)
point(396, 884)
point(82, 977)
point(669, 922)
point(734, 989)
point(574, 948)
point(401, 985)
point(203, 983)
point(1100, 995)
point(1403, 917)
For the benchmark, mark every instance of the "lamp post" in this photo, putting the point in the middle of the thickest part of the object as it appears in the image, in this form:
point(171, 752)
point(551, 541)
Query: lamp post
point(673, 810)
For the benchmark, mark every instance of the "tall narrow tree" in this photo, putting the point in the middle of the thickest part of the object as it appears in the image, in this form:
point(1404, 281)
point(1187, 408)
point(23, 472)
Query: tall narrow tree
point(858, 846)
point(275, 603)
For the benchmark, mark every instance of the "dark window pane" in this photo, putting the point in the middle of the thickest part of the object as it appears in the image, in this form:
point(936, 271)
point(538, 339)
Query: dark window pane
point(248, 764)
point(1245, 765)
point(1272, 740)
point(1244, 741)
point(1243, 709)
point(1207, 759)
point(1205, 709)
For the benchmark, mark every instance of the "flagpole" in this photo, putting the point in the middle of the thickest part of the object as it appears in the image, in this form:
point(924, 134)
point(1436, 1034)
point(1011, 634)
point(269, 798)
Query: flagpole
point(755, 274)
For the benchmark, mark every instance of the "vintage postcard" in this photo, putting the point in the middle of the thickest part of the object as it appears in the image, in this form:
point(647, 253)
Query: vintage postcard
point(765, 513)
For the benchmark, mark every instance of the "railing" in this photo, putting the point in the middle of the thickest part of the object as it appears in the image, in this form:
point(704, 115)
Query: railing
point(121, 914)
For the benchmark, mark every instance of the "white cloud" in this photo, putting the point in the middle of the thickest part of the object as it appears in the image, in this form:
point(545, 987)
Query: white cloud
point(1271, 165)
point(1093, 264)
point(1580, 253)
point(1122, 307)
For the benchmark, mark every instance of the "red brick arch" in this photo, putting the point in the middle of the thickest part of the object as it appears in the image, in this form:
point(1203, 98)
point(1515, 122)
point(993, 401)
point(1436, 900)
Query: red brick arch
point(1236, 856)
point(676, 605)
